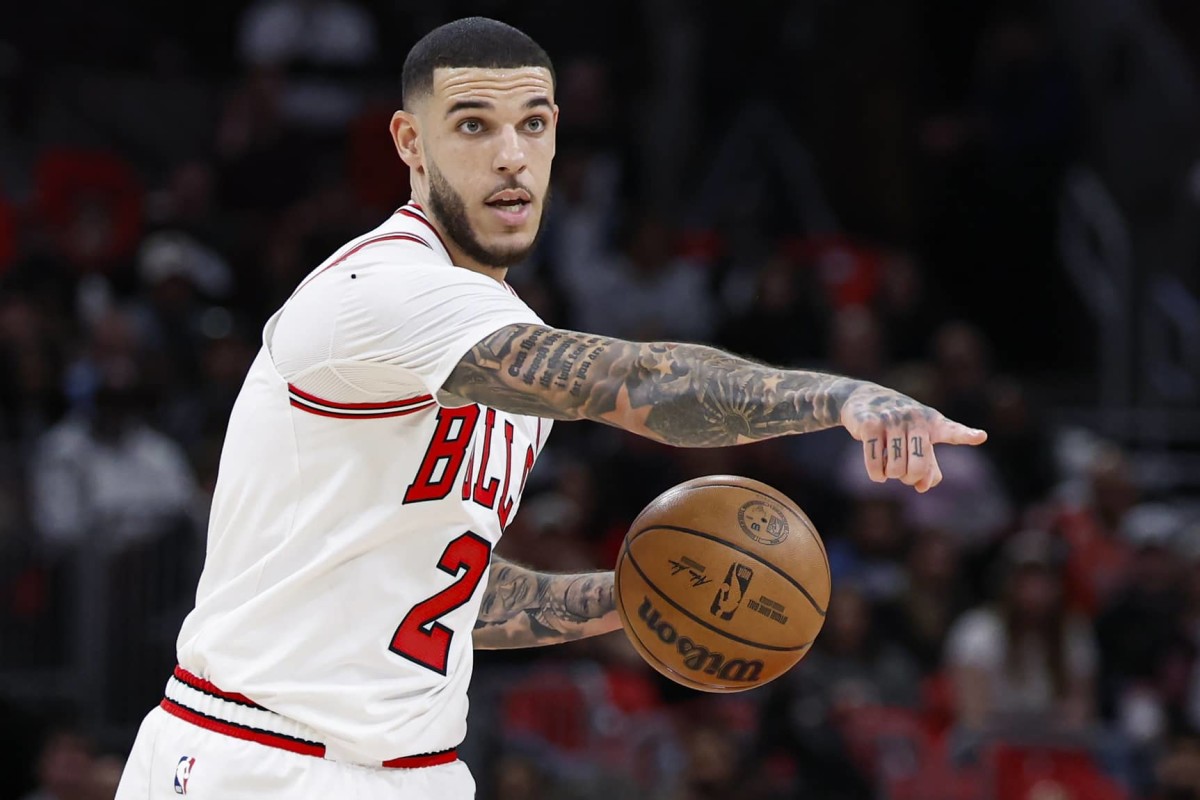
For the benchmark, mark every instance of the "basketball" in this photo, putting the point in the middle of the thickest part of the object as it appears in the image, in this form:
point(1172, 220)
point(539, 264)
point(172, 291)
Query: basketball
point(722, 583)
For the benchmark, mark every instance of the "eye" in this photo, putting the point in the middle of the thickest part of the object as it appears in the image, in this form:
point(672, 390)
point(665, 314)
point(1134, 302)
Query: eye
point(536, 124)
point(471, 126)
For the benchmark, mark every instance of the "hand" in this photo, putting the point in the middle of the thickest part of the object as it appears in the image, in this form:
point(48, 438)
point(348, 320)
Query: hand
point(898, 435)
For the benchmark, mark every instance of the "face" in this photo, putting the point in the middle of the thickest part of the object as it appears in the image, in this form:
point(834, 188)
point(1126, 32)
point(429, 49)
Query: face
point(933, 560)
point(1035, 592)
point(588, 599)
point(479, 149)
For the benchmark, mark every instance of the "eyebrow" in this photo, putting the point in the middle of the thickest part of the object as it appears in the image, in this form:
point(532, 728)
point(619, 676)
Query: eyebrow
point(465, 105)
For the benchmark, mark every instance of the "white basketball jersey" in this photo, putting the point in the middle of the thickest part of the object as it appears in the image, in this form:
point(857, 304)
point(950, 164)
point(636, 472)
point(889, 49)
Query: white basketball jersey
point(354, 517)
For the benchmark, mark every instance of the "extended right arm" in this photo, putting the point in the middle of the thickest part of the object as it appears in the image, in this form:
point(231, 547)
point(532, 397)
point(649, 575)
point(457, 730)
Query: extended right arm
point(692, 395)
point(687, 395)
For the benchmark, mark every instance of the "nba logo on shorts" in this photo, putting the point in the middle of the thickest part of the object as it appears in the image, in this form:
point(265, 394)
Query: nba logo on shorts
point(183, 771)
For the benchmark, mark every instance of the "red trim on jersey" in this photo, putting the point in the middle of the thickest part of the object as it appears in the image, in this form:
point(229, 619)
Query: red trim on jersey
point(379, 415)
point(431, 760)
point(420, 217)
point(201, 685)
point(243, 732)
point(389, 405)
point(328, 408)
point(407, 237)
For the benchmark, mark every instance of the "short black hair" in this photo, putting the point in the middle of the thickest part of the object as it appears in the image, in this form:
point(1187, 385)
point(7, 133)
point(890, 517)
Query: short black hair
point(469, 42)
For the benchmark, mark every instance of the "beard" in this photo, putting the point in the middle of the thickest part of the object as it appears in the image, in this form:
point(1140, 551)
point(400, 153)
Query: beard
point(448, 207)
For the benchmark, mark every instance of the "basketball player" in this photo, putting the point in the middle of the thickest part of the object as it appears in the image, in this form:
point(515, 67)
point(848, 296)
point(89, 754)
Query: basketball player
point(379, 448)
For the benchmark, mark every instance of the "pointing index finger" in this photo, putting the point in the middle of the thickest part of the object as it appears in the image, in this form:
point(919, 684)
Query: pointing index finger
point(948, 431)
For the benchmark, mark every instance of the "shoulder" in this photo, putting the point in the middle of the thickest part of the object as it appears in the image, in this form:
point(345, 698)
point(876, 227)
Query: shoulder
point(387, 286)
point(64, 439)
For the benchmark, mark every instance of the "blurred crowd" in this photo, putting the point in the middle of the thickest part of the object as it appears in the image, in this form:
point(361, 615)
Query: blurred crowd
point(856, 205)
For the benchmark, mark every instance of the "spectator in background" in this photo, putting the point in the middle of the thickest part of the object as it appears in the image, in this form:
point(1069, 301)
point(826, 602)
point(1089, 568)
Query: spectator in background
point(785, 323)
point(1144, 651)
point(906, 307)
point(1177, 773)
point(66, 767)
point(178, 274)
point(1097, 556)
point(316, 45)
point(1024, 662)
point(88, 206)
point(856, 344)
point(103, 471)
point(870, 554)
point(258, 156)
point(963, 360)
point(224, 361)
point(31, 359)
point(934, 595)
point(850, 667)
point(579, 224)
point(187, 202)
point(647, 292)
point(853, 664)
point(1019, 443)
point(182, 280)
point(516, 776)
point(712, 757)
point(1136, 631)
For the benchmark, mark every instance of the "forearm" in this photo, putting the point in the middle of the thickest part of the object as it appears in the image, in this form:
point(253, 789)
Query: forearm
point(680, 394)
point(524, 608)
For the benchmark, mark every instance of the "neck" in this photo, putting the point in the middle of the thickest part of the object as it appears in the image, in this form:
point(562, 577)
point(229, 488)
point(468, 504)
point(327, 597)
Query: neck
point(457, 256)
point(461, 259)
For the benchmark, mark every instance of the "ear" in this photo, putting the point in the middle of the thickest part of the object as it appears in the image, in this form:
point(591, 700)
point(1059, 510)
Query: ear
point(406, 137)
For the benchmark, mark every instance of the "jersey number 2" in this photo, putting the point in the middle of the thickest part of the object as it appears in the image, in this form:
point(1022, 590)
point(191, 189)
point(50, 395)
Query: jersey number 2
point(420, 637)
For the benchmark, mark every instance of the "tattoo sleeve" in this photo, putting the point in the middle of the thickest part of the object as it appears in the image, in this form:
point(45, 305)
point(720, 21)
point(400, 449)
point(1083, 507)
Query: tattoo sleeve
point(681, 394)
point(523, 608)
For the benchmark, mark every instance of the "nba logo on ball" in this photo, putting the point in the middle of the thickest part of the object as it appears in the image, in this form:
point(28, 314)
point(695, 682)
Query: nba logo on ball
point(183, 771)
point(729, 595)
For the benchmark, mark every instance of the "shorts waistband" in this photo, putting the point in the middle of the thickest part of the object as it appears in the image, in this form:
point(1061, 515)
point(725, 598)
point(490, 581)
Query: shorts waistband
point(195, 700)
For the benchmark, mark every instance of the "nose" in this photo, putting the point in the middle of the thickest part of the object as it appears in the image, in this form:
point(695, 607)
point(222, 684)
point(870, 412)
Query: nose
point(510, 155)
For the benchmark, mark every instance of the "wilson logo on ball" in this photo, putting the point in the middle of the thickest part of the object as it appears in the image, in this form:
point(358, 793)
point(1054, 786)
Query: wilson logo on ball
point(730, 593)
point(698, 657)
point(763, 522)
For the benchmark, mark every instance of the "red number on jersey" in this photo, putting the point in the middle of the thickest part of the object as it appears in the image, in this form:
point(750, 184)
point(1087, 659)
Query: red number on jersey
point(420, 637)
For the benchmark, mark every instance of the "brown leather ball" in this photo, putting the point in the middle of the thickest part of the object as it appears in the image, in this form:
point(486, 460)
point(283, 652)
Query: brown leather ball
point(722, 583)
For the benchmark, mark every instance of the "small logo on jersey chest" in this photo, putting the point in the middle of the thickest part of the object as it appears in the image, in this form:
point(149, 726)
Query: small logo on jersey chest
point(183, 771)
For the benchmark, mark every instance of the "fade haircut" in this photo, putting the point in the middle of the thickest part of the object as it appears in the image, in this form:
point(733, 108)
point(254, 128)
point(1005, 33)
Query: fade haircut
point(469, 42)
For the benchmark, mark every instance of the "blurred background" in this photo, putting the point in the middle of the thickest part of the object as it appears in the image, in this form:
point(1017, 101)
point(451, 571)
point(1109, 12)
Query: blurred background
point(991, 205)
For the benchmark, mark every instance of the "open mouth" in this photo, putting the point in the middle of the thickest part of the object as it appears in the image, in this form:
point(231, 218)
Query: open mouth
point(510, 200)
point(508, 205)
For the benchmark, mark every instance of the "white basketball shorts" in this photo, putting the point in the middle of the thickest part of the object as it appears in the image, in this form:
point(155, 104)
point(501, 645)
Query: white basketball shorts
point(206, 747)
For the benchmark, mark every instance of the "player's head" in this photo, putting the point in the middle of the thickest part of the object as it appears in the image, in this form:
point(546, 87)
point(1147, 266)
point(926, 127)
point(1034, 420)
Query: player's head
point(477, 132)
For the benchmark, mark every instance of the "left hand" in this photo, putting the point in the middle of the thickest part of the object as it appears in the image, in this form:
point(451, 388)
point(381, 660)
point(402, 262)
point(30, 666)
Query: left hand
point(898, 435)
